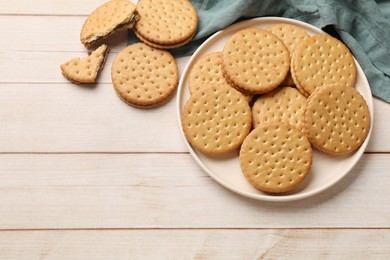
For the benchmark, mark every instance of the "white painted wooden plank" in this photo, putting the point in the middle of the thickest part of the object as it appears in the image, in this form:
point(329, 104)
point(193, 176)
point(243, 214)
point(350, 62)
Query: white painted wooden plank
point(71, 118)
point(51, 7)
point(170, 191)
point(380, 141)
point(196, 244)
point(44, 67)
point(48, 33)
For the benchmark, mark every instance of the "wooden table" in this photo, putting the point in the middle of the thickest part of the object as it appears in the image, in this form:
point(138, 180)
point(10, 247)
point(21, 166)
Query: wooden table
point(84, 175)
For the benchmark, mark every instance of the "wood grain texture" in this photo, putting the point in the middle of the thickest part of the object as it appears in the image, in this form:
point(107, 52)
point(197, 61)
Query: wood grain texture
point(51, 7)
point(170, 191)
point(70, 118)
point(197, 244)
point(43, 66)
point(49, 34)
point(75, 157)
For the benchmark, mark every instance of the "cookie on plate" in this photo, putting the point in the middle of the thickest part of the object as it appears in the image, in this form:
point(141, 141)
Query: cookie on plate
point(275, 157)
point(208, 72)
point(144, 76)
point(166, 24)
point(336, 119)
point(216, 119)
point(85, 70)
point(255, 60)
point(291, 36)
point(322, 60)
point(283, 104)
point(107, 19)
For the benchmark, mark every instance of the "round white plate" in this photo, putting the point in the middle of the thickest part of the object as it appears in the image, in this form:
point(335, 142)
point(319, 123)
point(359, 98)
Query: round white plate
point(326, 169)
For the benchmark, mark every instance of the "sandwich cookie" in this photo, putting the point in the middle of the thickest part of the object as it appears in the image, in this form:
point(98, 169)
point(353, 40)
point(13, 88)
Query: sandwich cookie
point(166, 24)
point(208, 72)
point(255, 60)
point(322, 60)
point(107, 19)
point(216, 119)
point(336, 119)
point(144, 76)
point(275, 157)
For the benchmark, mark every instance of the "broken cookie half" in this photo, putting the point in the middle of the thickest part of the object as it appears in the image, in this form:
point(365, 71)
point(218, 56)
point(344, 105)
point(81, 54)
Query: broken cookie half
point(85, 70)
point(107, 19)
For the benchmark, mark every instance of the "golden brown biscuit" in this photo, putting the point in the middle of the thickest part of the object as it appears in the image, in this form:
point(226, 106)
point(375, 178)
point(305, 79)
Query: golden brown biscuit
point(322, 60)
point(144, 76)
point(166, 22)
point(85, 70)
point(107, 19)
point(255, 60)
point(336, 119)
point(216, 120)
point(291, 36)
point(275, 157)
point(284, 104)
point(208, 72)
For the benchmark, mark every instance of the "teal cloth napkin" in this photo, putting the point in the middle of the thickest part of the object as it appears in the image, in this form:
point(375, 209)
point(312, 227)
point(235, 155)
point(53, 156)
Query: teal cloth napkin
point(363, 25)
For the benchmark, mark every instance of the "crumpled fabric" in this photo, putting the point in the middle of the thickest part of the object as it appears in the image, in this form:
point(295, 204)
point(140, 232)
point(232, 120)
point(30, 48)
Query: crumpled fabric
point(363, 25)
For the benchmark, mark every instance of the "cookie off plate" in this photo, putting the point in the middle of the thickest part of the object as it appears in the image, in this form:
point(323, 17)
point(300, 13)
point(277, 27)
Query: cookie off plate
point(326, 169)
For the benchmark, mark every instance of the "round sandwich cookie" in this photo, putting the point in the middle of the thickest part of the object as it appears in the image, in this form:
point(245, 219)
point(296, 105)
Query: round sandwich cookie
point(166, 22)
point(107, 19)
point(291, 36)
point(144, 76)
point(321, 60)
point(275, 157)
point(86, 69)
point(216, 119)
point(336, 119)
point(255, 60)
point(207, 72)
point(284, 104)
point(163, 46)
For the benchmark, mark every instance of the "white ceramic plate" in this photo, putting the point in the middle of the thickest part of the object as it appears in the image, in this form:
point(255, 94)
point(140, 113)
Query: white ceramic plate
point(326, 170)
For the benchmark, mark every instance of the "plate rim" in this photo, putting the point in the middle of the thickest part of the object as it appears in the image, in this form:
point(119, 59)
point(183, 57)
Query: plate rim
point(265, 197)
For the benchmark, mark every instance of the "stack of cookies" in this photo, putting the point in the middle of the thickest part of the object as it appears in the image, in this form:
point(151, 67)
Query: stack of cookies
point(144, 74)
point(166, 24)
point(304, 95)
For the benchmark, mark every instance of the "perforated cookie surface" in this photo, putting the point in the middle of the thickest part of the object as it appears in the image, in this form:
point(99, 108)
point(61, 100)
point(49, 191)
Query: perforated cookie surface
point(255, 60)
point(336, 119)
point(208, 72)
point(85, 70)
point(216, 120)
point(291, 36)
point(144, 76)
point(106, 19)
point(284, 104)
point(166, 22)
point(320, 60)
point(275, 157)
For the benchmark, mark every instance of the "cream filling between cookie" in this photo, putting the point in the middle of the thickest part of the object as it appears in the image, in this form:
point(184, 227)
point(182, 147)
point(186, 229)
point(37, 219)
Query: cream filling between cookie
point(126, 24)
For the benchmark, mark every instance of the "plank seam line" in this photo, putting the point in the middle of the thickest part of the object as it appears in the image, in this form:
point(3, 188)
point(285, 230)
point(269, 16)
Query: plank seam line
point(117, 152)
point(191, 228)
point(44, 15)
point(88, 152)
